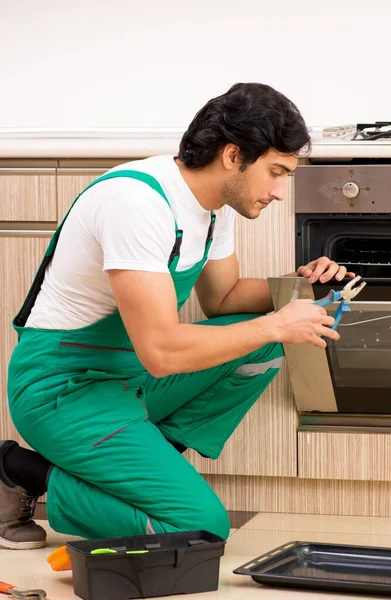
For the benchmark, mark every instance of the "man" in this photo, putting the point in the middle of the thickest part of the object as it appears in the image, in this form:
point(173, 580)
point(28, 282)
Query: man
point(105, 383)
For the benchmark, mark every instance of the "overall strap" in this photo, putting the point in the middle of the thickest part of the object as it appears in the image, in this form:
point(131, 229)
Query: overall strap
point(209, 238)
point(175, 252)
point(174, 258)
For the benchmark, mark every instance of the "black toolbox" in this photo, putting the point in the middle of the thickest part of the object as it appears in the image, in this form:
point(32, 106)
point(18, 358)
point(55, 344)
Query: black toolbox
point(146, 566)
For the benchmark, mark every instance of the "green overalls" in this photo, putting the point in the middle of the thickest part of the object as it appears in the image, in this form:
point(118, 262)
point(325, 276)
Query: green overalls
point(82, 399)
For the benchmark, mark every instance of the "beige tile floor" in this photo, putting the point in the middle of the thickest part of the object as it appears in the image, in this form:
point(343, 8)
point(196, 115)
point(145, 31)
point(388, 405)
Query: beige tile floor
point(261, 534)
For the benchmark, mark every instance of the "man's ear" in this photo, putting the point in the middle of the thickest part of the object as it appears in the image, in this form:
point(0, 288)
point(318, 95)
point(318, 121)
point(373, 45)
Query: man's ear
point(231, 157)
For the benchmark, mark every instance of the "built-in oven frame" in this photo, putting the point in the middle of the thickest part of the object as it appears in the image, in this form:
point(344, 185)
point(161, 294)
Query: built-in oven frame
point(323, 194)
point(308, 365)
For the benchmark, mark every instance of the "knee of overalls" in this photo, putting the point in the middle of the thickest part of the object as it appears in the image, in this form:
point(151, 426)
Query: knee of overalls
point(212, 517)
point(217, 521)
point(258, 362)
point(270, 356)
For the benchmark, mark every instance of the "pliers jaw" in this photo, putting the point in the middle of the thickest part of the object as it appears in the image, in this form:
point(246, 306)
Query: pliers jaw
point(21, 594)
point(343, 296)
point(349, 292)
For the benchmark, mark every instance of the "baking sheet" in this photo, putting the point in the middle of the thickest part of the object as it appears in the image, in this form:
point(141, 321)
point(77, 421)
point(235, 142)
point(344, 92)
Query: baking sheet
point(330, 567)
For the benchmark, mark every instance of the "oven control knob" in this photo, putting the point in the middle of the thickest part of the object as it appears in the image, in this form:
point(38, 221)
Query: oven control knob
point(351, 190)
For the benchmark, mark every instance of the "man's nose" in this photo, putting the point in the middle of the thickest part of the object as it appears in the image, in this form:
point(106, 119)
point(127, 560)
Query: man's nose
point(278, 191)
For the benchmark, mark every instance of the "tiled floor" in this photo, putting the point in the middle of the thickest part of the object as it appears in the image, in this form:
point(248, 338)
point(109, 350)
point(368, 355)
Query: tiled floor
point(260, 534)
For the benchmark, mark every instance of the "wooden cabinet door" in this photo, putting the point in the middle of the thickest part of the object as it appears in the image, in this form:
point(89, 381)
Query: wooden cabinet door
point(20, 255)
point(354, 455)
point(265, 441)
point(28, 195)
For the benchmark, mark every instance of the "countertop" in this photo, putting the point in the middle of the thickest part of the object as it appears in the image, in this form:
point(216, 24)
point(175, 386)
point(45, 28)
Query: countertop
point(136, 143)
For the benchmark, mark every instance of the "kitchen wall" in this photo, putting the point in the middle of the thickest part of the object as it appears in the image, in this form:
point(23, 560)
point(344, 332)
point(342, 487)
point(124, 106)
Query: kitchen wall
point(153, 63)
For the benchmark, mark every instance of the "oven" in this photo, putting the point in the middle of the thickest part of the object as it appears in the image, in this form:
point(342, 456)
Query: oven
point(343, 211)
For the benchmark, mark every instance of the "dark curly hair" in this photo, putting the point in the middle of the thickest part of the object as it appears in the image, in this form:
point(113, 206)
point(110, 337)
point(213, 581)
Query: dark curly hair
point(253, 116)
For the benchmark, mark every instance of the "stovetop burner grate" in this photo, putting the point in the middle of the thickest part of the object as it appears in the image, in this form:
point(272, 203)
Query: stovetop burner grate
point(379, 130)
point(373, 131)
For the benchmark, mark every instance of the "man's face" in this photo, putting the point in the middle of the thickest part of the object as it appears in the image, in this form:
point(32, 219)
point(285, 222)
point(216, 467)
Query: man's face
point(250, 191)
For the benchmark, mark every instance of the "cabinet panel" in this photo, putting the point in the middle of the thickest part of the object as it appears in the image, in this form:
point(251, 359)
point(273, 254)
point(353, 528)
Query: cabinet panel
point(265, 441)
point(304, 496)
point(28, 195)
point(340, 455)
point(20, 256)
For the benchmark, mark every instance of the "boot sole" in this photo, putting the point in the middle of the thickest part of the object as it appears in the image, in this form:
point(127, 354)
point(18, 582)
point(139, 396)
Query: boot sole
point(10, 545)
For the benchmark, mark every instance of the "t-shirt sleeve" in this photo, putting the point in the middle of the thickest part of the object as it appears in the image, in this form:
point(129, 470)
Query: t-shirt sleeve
point(224, 236)
point(136, 232)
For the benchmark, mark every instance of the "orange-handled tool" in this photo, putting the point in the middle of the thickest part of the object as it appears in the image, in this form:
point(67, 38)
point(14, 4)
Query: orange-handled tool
point(21, 594)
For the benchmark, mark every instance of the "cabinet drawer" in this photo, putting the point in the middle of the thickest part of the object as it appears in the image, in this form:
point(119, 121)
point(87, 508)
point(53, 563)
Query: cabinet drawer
point(344, 455)
point(28, 195)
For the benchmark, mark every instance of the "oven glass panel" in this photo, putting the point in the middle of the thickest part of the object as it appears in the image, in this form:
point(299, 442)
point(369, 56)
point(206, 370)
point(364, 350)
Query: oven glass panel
point(360, 362)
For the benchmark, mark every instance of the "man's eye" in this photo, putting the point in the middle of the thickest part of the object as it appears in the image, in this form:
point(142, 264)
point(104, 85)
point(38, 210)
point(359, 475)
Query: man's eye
point(273, 174)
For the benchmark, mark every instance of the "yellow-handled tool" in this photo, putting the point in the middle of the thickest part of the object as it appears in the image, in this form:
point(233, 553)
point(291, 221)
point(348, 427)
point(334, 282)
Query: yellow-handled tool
point(60, 560)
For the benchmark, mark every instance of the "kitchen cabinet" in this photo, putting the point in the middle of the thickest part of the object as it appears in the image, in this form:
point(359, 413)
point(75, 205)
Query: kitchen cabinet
point(28, 194)
point(344, 455)
point(265, 442)
point(20, 255)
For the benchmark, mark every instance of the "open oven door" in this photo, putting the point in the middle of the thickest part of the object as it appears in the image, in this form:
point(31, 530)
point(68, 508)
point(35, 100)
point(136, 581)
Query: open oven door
point(353, 374)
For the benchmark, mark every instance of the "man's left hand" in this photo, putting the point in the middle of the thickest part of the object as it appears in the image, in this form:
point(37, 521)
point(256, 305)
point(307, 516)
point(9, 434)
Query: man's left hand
point(323, 269)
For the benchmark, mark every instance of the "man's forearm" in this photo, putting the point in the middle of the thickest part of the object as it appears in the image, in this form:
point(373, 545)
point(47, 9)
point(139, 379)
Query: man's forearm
point(247, 296)
point(188, 348)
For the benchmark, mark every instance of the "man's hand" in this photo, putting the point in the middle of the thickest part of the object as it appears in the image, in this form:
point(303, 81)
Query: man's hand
point(323, 269)
point(303, 322)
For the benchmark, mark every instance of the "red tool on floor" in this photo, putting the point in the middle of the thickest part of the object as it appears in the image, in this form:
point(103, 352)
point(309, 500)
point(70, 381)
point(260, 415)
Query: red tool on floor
point(21, 594)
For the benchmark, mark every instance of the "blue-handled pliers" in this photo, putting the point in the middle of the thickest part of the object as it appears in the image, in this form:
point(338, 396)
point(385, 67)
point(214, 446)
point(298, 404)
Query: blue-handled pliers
point(343, 296)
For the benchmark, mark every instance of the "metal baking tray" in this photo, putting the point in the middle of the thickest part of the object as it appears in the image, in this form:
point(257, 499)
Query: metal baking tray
point(359, 569)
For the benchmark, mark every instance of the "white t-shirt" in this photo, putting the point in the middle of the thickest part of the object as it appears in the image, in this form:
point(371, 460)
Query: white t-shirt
point(123, 223)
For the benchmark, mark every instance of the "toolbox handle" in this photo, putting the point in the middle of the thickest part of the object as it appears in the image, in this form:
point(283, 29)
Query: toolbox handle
point(197, 543)
point(153, 546)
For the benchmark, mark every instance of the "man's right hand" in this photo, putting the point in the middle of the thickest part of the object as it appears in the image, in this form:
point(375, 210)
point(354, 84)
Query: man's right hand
point(302, 321)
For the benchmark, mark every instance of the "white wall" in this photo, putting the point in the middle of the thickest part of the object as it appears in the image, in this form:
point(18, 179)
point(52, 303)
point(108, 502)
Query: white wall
point(154, 63)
